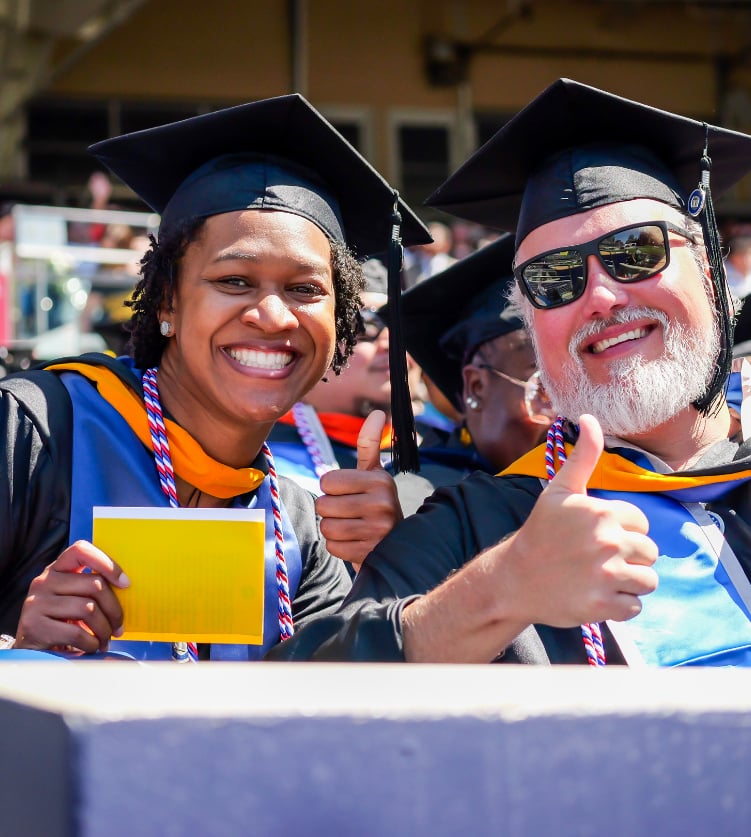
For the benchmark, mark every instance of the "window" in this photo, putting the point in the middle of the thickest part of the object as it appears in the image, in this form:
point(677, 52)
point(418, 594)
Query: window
point(59, 131)
point(423, 152)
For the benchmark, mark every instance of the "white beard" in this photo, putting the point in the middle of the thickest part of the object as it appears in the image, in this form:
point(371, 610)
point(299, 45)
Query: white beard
point(640, 395)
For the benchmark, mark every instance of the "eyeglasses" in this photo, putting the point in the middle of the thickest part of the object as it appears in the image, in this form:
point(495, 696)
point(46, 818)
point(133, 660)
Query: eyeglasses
point(536, 401)
point(371, 326)
point(629, 254)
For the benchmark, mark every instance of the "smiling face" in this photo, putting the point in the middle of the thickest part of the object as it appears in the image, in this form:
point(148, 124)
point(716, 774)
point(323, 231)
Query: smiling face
point(253, 324)
point(633, 354)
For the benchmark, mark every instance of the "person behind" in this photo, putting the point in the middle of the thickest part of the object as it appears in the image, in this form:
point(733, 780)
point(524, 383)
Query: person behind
point(460, 330)
point(320, 433)
point(336, 441)
point(738, 270)
point(427, 259)
point(248, 297)
point(738, 265)
point(620, 281)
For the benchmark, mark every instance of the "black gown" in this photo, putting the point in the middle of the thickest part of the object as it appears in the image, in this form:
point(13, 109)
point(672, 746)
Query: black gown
point(453, 526)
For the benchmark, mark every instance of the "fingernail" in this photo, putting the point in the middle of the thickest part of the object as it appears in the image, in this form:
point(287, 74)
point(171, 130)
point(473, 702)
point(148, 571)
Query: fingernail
point(119, 632)
point(123, 580)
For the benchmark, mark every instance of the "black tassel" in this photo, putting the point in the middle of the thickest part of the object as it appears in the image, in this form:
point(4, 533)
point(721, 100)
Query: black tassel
point(700, 205)
point(404, 455)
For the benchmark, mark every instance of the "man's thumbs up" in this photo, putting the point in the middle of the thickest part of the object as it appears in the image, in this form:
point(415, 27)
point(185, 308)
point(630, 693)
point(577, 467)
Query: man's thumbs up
point(579, 558)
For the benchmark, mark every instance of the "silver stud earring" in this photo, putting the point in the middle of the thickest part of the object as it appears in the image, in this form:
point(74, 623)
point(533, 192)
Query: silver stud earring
point(471, 402)
point(165, 328)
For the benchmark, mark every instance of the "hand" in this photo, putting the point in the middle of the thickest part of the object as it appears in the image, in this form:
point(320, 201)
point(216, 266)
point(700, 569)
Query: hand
point(69, 608)
point(359, 507)
point(578, 558)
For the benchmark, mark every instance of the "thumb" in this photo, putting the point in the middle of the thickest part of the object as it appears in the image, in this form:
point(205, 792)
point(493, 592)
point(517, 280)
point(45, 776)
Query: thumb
point(369, 442)
point(575, 474)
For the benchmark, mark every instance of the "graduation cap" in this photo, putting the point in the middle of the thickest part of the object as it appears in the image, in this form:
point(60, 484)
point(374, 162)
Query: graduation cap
point(575, 147)
point(646, 152)
point(278, 153)
point(449, 315)
point(274, 154)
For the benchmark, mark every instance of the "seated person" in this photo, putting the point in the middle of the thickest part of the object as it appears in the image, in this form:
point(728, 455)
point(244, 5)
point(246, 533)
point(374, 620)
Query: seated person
point(559, 558)
point(458, 327)
point(320, 433)
point(337, 440)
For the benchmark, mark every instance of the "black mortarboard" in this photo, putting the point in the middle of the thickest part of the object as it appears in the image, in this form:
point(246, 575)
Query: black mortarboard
point(575, 147)
point(515, 182)
point(449, 315)
point(278, 153)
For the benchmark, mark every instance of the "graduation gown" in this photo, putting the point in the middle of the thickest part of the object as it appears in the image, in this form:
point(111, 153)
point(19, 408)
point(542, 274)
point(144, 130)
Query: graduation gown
point(453, 526)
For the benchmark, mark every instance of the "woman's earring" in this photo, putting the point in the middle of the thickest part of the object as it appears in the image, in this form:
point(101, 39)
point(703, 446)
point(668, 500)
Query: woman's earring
point(165, 328)
point(472, 402)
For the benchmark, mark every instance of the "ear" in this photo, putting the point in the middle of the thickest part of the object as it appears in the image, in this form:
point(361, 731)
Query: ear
point(474, 384)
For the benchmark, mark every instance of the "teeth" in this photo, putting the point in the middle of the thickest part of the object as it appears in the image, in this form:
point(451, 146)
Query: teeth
point(261, 360)
point(622, 338)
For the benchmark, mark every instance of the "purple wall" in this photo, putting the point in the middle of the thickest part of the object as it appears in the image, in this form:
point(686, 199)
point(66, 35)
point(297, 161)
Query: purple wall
point(379, 750)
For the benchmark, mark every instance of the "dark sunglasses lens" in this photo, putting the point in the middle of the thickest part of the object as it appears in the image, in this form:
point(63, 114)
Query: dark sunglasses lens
point(555, 278)
point(372, 326)
point(634, 254)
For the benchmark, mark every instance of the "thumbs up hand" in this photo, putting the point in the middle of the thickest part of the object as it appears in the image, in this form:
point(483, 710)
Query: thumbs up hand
point(358, 508)
point(579, 558)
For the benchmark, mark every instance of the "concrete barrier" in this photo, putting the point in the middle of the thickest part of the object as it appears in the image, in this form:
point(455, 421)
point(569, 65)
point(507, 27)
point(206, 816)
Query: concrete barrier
point(268, 749)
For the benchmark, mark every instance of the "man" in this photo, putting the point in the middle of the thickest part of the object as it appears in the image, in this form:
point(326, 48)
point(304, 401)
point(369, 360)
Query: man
point(626, 300)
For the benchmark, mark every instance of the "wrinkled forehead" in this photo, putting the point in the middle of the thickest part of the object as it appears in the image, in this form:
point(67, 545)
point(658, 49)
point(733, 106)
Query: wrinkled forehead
point(594, 223)
point(578, 179)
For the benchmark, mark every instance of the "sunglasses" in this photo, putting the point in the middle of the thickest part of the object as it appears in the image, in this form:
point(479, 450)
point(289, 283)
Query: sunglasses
point(536, 401)
point(630, 254)
point(371, 325)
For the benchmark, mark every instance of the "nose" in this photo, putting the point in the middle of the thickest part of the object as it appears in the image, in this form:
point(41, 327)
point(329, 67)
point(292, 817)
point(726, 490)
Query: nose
point(603, 293)
point(270, 313)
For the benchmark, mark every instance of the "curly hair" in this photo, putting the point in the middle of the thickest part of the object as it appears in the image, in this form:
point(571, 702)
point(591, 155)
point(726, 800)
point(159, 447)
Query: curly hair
point(160, 267)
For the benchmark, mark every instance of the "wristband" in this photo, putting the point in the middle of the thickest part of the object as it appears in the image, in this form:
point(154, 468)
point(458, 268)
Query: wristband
point(6, 642)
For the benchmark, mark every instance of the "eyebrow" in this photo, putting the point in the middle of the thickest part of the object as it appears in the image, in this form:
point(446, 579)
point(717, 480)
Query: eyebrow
point(244, 255)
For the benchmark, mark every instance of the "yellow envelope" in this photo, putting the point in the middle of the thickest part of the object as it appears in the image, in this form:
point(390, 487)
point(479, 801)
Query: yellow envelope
point(196, 575)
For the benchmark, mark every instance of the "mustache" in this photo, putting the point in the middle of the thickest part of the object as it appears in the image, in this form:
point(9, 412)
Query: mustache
point(627, 315)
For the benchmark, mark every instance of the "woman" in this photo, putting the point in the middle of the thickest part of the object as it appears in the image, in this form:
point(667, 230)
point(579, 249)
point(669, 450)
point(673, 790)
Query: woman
point(478, 355)
point(248, 298)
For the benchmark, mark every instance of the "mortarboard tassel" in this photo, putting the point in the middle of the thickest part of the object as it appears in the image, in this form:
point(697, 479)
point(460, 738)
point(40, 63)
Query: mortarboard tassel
point(700, 206)
point(404, 453)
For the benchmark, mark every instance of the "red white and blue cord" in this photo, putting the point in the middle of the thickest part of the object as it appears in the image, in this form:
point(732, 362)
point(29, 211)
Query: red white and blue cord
point(314, 438)
point(591, 632)
point(188, 652)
